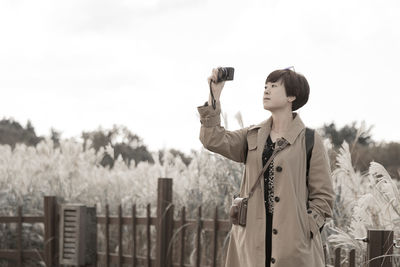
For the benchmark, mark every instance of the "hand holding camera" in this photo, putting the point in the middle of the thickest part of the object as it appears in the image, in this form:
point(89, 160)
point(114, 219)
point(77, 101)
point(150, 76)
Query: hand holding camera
point(217, 81)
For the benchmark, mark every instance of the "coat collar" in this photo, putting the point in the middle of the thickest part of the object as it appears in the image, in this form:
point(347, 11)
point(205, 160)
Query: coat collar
point(294, 129)
point(290, 135)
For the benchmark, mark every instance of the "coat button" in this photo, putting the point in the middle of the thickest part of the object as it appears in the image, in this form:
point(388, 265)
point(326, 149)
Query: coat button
point(273, 260)
point(279, 168)
point(277, 199)
point(274, 231)
point(309, 211)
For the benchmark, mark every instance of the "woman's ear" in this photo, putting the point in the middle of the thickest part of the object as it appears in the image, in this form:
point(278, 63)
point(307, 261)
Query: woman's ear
point(291, 98)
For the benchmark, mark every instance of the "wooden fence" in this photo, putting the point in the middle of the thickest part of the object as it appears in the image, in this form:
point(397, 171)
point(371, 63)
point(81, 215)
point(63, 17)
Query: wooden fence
point(49, 220)
point(166, 228)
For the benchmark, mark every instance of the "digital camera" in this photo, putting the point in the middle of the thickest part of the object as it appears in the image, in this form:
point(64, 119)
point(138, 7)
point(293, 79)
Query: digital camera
point(225, 74)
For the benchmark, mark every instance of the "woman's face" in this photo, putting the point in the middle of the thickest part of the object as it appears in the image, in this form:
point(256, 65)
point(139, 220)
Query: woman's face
point(275, 97)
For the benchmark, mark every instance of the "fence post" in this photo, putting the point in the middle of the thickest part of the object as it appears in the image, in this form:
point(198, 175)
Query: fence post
point(380, 243)
point(164, 222)
point(50, 228)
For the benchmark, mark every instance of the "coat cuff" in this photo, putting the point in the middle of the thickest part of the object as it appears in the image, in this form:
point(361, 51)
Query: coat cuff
point(210, 117)
point(316, 219)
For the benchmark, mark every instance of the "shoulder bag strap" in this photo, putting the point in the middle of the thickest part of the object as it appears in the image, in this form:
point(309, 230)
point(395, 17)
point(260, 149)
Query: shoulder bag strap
point(280, 144)
point(309, 148)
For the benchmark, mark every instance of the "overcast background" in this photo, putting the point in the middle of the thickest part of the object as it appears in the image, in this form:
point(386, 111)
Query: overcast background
point(76, 65)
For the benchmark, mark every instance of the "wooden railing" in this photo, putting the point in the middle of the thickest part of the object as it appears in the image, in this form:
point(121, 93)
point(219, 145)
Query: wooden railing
point(49, 220)
point(168, 230)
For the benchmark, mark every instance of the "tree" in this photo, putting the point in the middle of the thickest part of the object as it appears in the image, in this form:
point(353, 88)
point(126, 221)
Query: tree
point(348, 133)
point(125, 143)
point(363, 148)
point(185, 159)
point(55, 136)
point(11, 133)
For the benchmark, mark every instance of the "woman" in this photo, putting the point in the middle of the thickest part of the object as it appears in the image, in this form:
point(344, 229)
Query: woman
point(280, 231)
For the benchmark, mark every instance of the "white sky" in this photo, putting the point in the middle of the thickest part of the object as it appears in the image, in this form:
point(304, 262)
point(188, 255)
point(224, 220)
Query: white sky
point(75, 65)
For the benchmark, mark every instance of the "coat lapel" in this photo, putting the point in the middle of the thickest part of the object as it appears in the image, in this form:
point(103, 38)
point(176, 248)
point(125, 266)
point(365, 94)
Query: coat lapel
point(263, 133)
point(295, 127)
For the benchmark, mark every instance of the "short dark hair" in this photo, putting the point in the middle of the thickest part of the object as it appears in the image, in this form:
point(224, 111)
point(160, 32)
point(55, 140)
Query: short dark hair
point(295, 85)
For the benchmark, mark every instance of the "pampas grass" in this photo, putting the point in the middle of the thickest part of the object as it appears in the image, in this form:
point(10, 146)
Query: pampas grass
point(73, 173)
point(363, 201)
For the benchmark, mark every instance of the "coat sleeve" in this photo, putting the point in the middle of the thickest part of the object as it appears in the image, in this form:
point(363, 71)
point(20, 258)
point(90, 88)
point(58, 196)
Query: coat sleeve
point(214, 137)
point(320, 186)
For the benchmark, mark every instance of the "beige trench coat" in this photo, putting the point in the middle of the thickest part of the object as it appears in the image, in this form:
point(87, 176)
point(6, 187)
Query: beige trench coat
point(293, 244)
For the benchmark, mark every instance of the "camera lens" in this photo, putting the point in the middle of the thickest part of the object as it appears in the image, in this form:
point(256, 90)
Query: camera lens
point(225, 74)
point(222, 74)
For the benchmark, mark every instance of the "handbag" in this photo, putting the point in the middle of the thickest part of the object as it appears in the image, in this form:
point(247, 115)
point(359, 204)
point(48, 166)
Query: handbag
point(238, 210)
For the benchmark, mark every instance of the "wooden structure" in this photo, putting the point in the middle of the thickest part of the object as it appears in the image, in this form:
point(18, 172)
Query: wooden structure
point(167, 230)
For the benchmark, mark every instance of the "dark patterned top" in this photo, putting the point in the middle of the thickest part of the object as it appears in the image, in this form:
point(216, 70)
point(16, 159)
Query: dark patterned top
point(268, 176)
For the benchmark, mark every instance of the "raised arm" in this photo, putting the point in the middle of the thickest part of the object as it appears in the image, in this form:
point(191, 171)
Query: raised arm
point(214, 137)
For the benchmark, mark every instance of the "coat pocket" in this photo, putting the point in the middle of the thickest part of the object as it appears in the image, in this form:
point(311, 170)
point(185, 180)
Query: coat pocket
point(312, 225)
point(252, 140)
